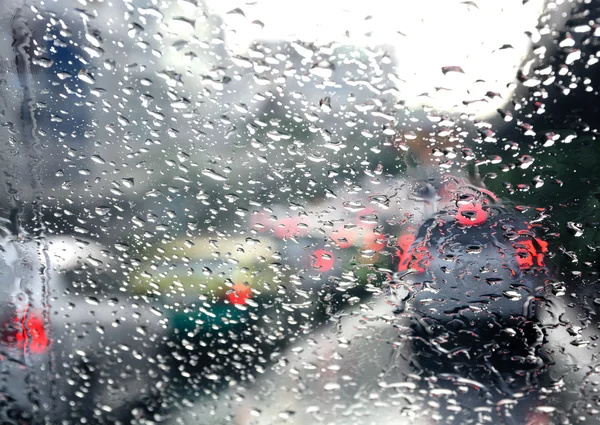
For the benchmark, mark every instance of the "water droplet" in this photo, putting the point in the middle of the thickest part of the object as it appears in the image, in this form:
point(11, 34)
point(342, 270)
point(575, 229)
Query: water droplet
point(84, 76)
point(213, 175)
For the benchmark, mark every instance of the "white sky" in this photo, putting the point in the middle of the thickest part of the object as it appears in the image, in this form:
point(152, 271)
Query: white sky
point(436, 33)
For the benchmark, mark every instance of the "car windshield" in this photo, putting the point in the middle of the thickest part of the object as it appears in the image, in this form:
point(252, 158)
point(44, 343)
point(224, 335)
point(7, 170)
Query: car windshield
point(271, 212)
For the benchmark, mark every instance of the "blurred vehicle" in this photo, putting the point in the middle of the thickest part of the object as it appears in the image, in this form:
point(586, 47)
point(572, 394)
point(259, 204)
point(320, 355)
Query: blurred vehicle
point(71, 342)
point(472, 311)
point(230, 304)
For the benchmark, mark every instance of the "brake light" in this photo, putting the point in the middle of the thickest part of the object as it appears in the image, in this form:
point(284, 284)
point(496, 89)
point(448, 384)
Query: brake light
point(323, 260)
point(240, 294)
point(27, 333)
point(530, 253)
point(404, 252)
point(471, 214)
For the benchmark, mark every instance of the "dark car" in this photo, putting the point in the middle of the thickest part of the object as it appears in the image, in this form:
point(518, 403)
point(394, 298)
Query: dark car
point(473, 309)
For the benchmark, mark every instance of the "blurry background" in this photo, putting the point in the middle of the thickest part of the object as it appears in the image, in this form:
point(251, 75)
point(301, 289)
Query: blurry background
point(186, 156)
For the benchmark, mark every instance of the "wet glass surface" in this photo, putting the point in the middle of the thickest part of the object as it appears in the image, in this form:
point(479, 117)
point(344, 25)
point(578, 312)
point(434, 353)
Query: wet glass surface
point(283, 212)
